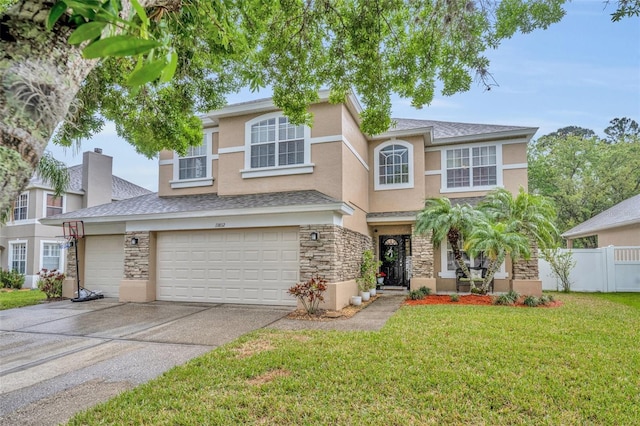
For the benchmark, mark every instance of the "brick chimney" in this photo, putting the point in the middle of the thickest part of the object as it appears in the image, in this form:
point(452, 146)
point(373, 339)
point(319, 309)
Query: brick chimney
point(97, 178)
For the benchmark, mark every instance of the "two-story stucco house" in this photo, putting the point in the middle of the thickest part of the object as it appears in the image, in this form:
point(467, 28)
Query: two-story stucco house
point(263, 204)
point(28, 246)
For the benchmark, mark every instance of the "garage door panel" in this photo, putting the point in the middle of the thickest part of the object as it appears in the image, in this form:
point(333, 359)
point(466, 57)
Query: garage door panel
point(104, 263)
point(248, 266)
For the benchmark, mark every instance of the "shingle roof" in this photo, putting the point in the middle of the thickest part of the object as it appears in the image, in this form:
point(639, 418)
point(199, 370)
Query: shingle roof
point(152, 204)
point(450, 129)
point(625, 213)
point(121, 188)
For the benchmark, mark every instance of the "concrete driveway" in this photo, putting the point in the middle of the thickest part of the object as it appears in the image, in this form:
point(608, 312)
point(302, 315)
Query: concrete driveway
point(60, 358)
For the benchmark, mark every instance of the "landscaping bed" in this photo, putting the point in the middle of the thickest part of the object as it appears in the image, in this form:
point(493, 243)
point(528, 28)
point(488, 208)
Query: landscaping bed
point(327, 315)
point(469, 299)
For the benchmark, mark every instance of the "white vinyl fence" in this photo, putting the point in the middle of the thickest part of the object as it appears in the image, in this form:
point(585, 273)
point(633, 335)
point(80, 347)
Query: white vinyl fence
point(609, 270)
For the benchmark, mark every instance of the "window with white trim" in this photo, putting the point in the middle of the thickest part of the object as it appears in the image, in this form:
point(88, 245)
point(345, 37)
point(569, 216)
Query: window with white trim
point(480, 261)
point(54, 205)
point(471, 167)
point(393, 165)
point(274, 146)
point(18, 257)
point(194, 168)
point(194, 164)
point(51, 256)
point(275, 142)
point(21, 207)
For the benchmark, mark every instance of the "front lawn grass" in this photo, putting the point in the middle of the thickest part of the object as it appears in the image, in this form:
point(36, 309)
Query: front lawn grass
point(19, 298)
point(475, 365)
point(630, 299)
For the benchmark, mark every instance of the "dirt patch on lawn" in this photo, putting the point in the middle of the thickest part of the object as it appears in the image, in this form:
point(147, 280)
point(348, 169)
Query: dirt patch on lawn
point(470, 299)
point(269, 376)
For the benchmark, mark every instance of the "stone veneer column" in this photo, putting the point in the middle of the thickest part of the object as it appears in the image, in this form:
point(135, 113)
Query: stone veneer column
point(70, 284)
point(139, 283)
point(421, 254)
point(525, 279)
point(335, 256)
point(136, 257)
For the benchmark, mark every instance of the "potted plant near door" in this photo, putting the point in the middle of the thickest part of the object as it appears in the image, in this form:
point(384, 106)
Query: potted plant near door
point(380, 276)
point(368, 271)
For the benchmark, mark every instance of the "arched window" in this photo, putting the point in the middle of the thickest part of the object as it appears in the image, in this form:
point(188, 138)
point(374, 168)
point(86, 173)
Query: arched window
point(394, 168)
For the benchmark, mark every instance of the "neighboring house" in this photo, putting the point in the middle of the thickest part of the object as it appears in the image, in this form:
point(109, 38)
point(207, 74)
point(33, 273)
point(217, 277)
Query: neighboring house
point(617, 226)
point(28, 246)
point(263, 204)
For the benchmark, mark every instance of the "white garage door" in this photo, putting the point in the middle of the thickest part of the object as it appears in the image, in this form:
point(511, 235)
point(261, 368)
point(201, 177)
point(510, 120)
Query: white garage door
point(104, 264)
point(228, 266)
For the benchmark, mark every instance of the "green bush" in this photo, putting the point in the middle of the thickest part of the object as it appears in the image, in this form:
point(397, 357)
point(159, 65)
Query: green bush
point(419, 294)
point(507, 299)
point(425, 290)
point(11, 279)
point(455, 297)
point(531, 301)
point(50, 283)
point(415, 295)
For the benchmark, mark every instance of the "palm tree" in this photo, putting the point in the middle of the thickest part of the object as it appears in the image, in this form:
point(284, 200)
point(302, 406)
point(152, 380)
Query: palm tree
point(529, 214)
point(443, 220)
point(496, 240)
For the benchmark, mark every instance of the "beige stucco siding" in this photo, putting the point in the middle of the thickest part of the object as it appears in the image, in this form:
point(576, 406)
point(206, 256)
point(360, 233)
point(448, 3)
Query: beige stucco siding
point(622, 236)
point(394, 200)
point(326, 176)
point(514, 153)
point(514, 179)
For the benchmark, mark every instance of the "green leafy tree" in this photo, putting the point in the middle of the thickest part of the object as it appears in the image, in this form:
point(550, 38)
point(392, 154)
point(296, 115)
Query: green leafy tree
point(583, 176)
point(80, 62)
point(622, 130)
point(496, 240)
point(444, 221)
point(528, 214)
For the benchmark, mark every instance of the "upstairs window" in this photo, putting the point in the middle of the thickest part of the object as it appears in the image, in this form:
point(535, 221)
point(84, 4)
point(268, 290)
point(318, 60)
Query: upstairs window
point(194, 164)
point(275, 142)
point(471, 167)
point(54, 205)
point(21, 207)
point(195, 167)
point(393, 165)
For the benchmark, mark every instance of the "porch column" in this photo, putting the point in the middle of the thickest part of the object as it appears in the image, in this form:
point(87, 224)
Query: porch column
point(525, 279)
point(423, 262)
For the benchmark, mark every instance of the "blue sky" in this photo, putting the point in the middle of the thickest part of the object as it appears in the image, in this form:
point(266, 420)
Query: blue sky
point(583, 71)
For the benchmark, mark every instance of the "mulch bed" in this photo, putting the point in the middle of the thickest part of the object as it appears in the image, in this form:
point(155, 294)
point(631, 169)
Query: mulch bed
point(468, 299)
point(325, 315)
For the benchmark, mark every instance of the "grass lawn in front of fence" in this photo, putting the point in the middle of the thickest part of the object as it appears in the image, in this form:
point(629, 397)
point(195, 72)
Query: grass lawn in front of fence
point(630, 299)
point(440, 364)
point(19, 298)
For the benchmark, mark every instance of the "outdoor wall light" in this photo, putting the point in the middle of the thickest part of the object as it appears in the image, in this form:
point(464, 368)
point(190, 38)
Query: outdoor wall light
point(314, 236)
point(134, 241)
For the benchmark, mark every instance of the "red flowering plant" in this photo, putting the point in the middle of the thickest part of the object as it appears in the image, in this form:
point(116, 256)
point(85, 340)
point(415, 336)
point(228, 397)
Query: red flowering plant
point(380, 274)
point(310, 293)
point(50, 282)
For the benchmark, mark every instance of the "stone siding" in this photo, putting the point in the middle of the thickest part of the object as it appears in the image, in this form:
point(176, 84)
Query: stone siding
point(70, 269)
point(527, 269)
point(336, 254)
point(421, 255)
point(136, 258)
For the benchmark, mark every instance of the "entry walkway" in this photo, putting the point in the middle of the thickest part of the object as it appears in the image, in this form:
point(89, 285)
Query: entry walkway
point(371, 318)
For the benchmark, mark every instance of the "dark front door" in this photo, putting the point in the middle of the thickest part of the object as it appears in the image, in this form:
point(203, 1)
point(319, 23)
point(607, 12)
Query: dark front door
point(394, 250)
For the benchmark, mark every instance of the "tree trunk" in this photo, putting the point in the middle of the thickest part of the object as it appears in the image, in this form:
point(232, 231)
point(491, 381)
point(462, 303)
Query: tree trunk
point(454, 236)
point(40, 75)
